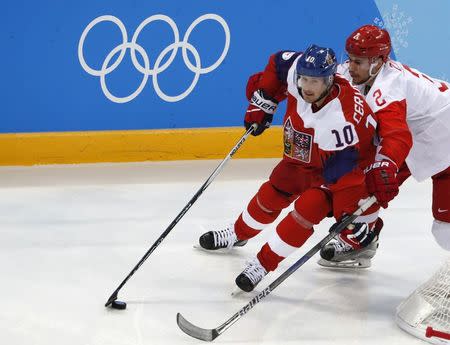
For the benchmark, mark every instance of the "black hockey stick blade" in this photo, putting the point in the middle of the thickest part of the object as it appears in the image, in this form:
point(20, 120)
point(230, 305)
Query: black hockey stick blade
point(194, 331)
point(111, 299)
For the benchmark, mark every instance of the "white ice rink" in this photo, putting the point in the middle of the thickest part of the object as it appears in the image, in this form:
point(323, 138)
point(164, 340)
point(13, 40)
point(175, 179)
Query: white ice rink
point(70, 234)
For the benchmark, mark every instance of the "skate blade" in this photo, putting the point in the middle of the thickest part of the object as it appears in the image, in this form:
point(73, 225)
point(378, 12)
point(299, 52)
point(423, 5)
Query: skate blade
point(237, 292)
point(362, 263)
point(212, 251)
point(220, 250)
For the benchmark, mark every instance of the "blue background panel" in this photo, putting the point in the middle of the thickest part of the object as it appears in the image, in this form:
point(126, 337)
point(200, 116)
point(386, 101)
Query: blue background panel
point(46, 88)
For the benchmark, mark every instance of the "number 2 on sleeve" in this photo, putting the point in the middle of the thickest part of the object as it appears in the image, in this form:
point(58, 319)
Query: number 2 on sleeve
point(378, 100)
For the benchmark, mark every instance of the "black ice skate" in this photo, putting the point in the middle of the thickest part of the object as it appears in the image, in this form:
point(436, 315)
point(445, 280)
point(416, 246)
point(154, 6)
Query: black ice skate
point(226, 238)
point(338, 254)
point(251, 275)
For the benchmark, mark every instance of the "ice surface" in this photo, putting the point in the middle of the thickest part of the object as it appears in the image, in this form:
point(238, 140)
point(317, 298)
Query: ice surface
point(70, 234)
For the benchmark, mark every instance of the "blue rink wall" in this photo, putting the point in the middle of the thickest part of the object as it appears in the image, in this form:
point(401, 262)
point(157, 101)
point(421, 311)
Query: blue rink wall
point(82, 69)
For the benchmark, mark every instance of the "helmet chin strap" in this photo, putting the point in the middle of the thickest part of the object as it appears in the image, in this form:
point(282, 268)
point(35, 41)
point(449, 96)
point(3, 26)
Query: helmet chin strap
point(372, 74)
point(323, 95)
point(327, 90)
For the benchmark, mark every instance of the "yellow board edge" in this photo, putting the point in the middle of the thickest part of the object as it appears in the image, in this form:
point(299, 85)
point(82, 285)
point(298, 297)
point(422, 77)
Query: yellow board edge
point(135, 145)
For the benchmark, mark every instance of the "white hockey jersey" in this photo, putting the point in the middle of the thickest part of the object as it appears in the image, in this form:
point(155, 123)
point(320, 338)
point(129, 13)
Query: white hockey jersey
point(427, 113)
point(330, 119)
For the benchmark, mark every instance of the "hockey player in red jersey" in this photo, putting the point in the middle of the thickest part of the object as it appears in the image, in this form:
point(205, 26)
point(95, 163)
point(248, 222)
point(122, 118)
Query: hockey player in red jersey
point(328, 142)
point(401, 97)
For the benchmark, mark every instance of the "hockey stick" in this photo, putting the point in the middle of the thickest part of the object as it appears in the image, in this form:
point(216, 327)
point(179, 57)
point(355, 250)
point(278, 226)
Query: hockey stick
point(211, 334)
point(113, 297)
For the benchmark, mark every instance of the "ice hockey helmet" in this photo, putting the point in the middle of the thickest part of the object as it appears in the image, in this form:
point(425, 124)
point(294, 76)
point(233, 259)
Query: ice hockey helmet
point(369, 41)
point(317, 62)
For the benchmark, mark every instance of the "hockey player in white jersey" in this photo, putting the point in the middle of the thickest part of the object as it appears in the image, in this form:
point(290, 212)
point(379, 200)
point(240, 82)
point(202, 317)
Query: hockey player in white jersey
point(401, 97)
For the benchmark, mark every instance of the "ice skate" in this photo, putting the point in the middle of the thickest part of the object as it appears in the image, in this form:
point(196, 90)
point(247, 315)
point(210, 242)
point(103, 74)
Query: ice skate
point(253, 273)
point(338, 254)
point(226, 238)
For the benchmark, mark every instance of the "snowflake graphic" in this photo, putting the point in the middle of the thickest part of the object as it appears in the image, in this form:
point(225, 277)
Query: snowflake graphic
point(396, 22)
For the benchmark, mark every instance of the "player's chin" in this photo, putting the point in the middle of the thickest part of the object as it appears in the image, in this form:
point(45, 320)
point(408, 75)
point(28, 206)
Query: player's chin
point(357, 80)
point(309, 98)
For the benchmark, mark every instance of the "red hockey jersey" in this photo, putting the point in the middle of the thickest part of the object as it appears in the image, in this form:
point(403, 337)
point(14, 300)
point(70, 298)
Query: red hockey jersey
point(335, 141)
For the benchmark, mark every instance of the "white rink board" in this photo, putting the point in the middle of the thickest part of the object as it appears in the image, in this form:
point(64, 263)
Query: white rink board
point(70, 234)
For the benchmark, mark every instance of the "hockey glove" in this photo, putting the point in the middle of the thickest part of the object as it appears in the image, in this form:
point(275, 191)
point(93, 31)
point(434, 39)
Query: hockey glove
point(381, 181)
point(360, 235)
point(260, 111)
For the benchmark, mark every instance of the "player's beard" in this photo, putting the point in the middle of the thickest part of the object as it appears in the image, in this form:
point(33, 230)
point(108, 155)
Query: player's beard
point(359, 82)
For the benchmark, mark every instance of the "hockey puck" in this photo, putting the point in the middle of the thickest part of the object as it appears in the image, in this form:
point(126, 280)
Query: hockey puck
point(118, 305)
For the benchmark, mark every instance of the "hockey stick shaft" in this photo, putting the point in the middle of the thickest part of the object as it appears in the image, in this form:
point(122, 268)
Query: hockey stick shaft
point(205, 185)
point(211, 334)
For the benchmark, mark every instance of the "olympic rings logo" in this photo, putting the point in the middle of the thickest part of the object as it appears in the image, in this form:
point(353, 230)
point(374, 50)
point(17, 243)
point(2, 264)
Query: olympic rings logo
point(196, 68)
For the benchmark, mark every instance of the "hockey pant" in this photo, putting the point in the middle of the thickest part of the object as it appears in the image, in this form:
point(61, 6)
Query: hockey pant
point(309, 209)
point(286, 182)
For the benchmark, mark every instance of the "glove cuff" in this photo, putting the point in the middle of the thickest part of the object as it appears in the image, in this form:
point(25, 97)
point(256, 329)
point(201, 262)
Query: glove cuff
point(260, 100)
point(381, 164)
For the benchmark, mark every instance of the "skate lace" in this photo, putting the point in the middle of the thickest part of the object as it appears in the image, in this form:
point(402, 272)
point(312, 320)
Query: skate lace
point(254, 271)
point(226, 237)
point(341, 247)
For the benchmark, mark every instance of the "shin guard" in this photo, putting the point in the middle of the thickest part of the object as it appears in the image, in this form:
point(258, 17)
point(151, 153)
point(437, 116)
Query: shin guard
point(262, 210)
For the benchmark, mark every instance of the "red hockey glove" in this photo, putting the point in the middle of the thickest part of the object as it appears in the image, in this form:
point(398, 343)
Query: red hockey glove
point(382, 182)
point(260, 111)
point(360, 235)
